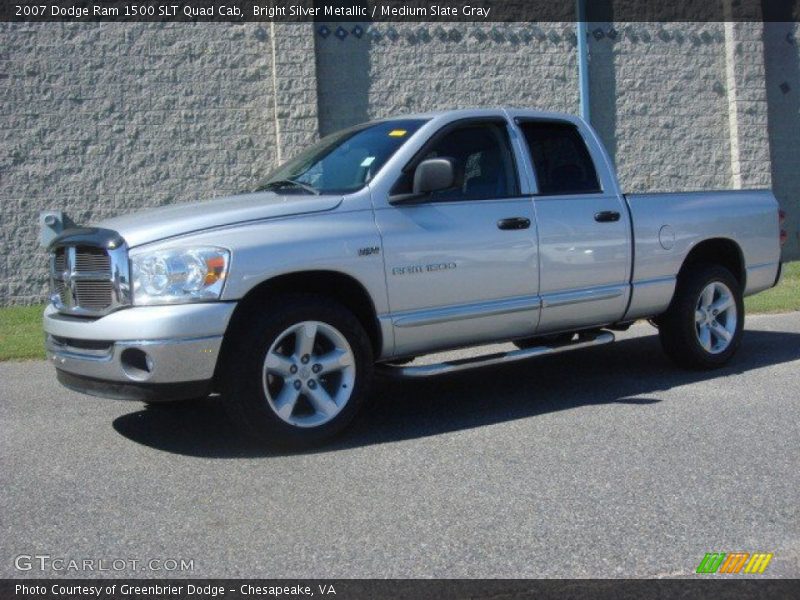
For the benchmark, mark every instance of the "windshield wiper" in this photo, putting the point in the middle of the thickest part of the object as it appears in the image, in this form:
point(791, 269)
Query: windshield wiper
point(288, 183)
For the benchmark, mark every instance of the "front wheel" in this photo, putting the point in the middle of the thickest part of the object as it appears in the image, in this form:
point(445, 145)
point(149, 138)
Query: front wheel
point(297, 371)
point(702, 328)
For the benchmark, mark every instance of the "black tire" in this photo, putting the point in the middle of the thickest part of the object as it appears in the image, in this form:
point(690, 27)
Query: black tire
point(677, 327)
point(242, 372)
point(543, 340)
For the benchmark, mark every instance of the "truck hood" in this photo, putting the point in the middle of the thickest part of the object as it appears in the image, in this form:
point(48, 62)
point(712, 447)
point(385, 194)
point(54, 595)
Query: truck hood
point(169, 221)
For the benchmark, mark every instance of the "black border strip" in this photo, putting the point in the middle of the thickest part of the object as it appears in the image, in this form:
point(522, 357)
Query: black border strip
point(399, 11)
point(413, 589)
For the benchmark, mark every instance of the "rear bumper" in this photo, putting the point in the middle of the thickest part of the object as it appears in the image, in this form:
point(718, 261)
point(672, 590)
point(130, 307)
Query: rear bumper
point(144, 353)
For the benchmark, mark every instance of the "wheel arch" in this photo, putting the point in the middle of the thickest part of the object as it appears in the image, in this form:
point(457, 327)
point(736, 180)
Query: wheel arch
point(341, 287)
point(721, 251)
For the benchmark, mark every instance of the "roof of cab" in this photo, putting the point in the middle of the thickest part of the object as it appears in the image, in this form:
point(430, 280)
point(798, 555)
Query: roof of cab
point(466, 113)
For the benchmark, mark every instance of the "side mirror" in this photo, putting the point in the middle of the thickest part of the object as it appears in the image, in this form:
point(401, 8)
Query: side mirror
point(433, 175)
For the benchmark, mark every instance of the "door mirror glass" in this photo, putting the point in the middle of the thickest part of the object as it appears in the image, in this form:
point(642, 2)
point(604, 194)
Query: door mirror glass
point(434, 175)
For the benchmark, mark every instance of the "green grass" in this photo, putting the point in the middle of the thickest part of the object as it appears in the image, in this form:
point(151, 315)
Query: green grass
point(21, 334)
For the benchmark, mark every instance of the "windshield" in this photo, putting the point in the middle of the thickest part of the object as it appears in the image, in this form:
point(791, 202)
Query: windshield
point(344, 161)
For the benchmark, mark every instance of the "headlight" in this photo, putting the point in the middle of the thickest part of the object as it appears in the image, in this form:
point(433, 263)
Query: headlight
point(178, 275)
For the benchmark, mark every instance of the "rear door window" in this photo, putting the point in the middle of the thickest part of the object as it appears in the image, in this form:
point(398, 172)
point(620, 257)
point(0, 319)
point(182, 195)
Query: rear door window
point(560, 158)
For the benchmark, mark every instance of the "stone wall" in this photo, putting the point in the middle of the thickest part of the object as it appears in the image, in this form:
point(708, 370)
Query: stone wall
point(659, 102)
point(659, 95)
point(102, 120)
point(399, 68)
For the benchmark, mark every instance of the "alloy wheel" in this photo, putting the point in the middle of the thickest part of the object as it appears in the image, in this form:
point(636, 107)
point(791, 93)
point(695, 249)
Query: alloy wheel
point(715, 317)
point(309, 373)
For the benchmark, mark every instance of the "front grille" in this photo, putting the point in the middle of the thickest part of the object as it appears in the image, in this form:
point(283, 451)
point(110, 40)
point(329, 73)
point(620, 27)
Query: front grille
point(60, 260)
point(58, 268)
point(92, 259)
point(88, 280)
point(93, 295)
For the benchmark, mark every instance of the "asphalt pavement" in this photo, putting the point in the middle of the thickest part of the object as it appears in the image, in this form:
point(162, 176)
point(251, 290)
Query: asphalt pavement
point(605, 462)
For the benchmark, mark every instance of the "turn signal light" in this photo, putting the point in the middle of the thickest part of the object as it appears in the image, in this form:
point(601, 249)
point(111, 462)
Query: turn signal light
point(215, 269)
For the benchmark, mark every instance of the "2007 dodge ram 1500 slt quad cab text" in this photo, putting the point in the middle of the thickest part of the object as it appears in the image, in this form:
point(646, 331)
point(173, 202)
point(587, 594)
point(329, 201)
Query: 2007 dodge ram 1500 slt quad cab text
point(394, 239)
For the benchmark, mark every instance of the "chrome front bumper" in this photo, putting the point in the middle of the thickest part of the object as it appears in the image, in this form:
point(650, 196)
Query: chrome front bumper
point(142, 348)
point(139, 361)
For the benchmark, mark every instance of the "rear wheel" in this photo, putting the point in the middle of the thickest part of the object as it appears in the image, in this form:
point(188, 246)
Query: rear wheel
point(296, 373)
point(702, 328)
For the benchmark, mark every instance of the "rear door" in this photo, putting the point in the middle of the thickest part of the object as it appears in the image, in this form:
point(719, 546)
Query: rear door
point(461, 266)
point(584, 230)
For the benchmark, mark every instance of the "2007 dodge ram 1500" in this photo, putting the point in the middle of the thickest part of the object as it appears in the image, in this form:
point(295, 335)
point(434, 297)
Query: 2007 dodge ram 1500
point(394, 239)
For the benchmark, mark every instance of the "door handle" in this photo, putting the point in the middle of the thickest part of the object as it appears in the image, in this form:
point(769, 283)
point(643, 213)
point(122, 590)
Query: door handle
point(606, 216)
point(514, 223)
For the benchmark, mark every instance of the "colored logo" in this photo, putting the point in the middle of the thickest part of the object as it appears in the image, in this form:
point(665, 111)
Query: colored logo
point(734, 562)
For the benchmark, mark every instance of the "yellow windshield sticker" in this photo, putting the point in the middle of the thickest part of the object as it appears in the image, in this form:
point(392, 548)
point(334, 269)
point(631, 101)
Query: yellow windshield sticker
point(397, 132)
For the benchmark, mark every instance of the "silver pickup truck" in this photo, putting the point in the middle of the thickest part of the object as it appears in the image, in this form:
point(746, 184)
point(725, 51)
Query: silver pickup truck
point(391, 240)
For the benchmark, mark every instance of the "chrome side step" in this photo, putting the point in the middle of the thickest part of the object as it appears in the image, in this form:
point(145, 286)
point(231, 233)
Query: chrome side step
point(583, 341)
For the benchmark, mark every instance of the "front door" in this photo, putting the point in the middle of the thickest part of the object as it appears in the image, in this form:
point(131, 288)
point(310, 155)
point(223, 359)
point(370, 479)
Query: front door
point(461, 266)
